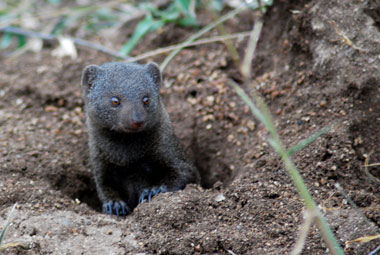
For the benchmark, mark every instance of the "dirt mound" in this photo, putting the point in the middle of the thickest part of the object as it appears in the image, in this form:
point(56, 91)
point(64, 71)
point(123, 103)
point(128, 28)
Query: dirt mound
point(316, 65)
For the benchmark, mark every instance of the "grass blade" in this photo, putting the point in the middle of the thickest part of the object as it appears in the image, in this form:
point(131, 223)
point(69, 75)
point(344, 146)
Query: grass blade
point(293, 172)
point(6, 41)
point(141, 29)
point(375, 251)
point(184, 5)
point(187, 22)
point(59, 27)
point(2, 234)
point(275, 145)
point(261, 111)
point(197, 42)
point(255, 34)
point(187, 8)
point(21, 39)
point(198, 34)
point(309, 219)
point(256, 112)
point(303, 143)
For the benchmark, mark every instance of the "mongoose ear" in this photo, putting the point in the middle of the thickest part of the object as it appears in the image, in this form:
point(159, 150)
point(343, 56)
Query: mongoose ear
point(90, 73)
point(154, 71)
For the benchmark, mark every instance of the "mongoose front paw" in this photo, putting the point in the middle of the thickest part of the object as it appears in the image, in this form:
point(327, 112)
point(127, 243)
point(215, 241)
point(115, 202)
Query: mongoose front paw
point(119, 207)
point(149, 193)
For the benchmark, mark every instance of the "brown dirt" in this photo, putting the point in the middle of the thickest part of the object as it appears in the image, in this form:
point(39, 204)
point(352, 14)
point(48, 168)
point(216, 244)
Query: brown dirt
point(308, 74)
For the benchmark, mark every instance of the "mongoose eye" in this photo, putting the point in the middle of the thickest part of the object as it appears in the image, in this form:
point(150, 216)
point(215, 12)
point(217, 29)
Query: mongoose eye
point(115, 101)
point(145, 100)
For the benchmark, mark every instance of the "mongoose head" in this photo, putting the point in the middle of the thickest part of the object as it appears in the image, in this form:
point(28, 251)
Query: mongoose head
point(123, 97)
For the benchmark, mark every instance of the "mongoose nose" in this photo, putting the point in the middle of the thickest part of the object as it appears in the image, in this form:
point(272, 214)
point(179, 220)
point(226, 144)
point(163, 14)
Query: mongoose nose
point(137, 124)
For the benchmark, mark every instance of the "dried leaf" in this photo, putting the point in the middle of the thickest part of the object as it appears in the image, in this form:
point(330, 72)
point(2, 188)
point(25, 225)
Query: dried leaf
point(363, 239)
point(66, 48)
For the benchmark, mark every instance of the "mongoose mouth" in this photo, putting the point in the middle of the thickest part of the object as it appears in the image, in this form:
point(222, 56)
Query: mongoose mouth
point(131, 129)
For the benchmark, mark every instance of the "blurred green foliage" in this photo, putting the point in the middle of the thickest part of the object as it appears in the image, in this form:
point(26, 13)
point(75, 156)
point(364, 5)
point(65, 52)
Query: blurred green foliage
point(179, 12)
point(57, 17)
point(90, 18)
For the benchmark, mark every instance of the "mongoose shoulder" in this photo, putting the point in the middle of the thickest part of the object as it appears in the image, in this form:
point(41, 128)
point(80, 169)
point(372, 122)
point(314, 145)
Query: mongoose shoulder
point(134, 153)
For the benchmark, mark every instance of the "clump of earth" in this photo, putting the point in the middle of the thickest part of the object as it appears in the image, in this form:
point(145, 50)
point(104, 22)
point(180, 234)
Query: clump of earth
point(316, 65)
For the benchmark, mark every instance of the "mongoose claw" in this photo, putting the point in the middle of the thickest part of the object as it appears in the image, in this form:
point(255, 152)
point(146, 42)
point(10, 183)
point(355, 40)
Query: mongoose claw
point(107, 208)
point(119, 207)
point(149, 193)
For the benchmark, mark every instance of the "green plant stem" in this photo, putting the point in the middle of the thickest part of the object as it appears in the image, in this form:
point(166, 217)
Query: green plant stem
point(303, 143)
point(297, 180)
point(200, 33)
point(310, 204)
point(261, 112)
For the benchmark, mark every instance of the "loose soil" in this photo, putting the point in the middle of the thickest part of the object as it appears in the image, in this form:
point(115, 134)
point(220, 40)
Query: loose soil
point(316, 65)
